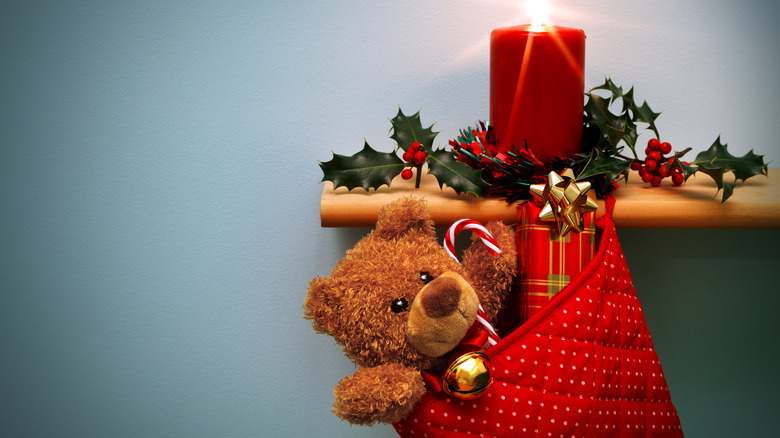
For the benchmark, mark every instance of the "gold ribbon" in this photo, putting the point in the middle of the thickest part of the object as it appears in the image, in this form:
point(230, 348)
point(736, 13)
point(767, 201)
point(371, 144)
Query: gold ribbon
point(565, 201)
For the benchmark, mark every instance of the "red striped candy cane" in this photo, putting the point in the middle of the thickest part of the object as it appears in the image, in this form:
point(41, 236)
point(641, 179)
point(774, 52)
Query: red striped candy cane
point(474, 226)
point(493, 249)
point(482, 319)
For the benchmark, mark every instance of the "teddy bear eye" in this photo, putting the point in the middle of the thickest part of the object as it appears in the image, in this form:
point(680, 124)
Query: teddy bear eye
point(399, 305)
point(426, 277)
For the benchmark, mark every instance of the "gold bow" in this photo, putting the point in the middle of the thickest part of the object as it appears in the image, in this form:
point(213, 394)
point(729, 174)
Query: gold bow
point(565, 201)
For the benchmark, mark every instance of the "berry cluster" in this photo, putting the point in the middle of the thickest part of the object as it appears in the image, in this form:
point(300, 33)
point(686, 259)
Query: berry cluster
point(415, 157)
point(656, 166)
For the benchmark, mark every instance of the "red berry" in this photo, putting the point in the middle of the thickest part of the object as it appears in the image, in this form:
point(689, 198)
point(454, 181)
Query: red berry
point(651, 165)
point(664, 170)
point(419, 157)
point(653, 144)
point(655, 156)
point(406, 174)
point(678, 178)
point(408, 155)
point(415, 147)
point(648, 150)
point(645, 175)
point(670, 161)
point(636, 165)
point(656, 181)
point(665, 148)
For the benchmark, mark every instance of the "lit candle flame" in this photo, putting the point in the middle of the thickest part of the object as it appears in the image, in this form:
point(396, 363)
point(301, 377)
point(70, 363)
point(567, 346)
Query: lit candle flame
point(538, 10)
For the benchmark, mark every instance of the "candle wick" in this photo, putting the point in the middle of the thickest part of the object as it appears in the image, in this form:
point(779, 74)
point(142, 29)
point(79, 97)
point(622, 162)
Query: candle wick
point(538, 10)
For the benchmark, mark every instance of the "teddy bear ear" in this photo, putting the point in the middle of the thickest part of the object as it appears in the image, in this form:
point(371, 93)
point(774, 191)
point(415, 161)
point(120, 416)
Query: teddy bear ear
point(404, 215)
point(322, 305)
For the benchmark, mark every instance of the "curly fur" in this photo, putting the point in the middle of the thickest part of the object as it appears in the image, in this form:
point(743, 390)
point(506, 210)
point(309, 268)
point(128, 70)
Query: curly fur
point(379, 393)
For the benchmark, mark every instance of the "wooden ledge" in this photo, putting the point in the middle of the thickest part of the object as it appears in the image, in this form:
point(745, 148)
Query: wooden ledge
point(754, 204)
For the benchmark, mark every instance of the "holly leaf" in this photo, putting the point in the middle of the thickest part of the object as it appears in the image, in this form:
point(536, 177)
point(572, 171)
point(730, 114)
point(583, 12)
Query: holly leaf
point(644, 114)
point(619, 126)
point(743, 167)
point(603, 164)
point(716, 173)
point(628, 99)
point(687, 169)
point(461, 177)
point(367, 169)
point(408, 129)
point(613, 88)
point(597, 111)
point(728, 189)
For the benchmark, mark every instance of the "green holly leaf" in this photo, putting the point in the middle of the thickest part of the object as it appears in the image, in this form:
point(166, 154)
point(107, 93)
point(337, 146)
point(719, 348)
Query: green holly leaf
point(619, 127)
point(617, 93)
point(743, 167)
point(728, 189)
point(603, 164)
point(408, 129)
point(688, 170)
point(613, 88)
point(461, 177)
point(716, 173)
point(628, 99)
point(644, 114)
point(367, 169)
point(597, 111)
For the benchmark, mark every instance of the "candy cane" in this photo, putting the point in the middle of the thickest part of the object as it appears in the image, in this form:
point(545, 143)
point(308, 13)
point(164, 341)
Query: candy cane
point(493, 249)
point(474, 226)
point(482, 319)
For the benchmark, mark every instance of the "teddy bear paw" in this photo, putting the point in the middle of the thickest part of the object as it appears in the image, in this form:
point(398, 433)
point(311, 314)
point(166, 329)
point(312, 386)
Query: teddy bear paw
point(385, 394)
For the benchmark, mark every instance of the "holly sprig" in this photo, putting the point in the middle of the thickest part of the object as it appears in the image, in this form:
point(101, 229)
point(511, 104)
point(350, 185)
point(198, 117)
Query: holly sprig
point(611, 123)
point(371, 169)
point(608, 134)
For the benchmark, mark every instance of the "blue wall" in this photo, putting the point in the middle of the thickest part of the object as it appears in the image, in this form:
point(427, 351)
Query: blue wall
point(159, 215)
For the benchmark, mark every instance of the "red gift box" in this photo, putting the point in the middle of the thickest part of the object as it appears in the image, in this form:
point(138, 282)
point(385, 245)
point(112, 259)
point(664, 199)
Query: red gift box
point(548, 262)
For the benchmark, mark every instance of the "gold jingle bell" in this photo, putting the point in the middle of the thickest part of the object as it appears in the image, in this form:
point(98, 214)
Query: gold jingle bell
point(468, 376)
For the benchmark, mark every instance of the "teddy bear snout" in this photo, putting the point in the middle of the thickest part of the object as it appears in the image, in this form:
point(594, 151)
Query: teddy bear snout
point(441, 297)
point(441, 313)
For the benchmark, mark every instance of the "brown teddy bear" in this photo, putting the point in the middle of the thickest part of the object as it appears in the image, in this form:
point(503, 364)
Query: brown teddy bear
point(398, 303)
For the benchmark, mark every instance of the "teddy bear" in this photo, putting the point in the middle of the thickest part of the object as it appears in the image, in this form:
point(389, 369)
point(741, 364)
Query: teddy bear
point(398, 303)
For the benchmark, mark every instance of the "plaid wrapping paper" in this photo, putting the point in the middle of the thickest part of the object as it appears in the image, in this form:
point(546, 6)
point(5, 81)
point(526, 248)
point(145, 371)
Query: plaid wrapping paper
point(548, 262)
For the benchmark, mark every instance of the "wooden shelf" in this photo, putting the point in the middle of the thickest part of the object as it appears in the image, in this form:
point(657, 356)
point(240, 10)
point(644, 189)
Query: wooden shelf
point(754, 204)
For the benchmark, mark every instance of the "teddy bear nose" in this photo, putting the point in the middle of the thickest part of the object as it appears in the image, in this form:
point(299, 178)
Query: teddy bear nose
point(441, 297)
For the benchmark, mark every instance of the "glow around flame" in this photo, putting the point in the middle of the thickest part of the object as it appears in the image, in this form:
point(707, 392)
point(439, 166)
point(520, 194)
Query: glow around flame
point(538, 10)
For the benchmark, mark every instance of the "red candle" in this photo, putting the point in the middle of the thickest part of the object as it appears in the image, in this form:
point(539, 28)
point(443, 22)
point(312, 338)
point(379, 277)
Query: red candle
point(537, 83)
